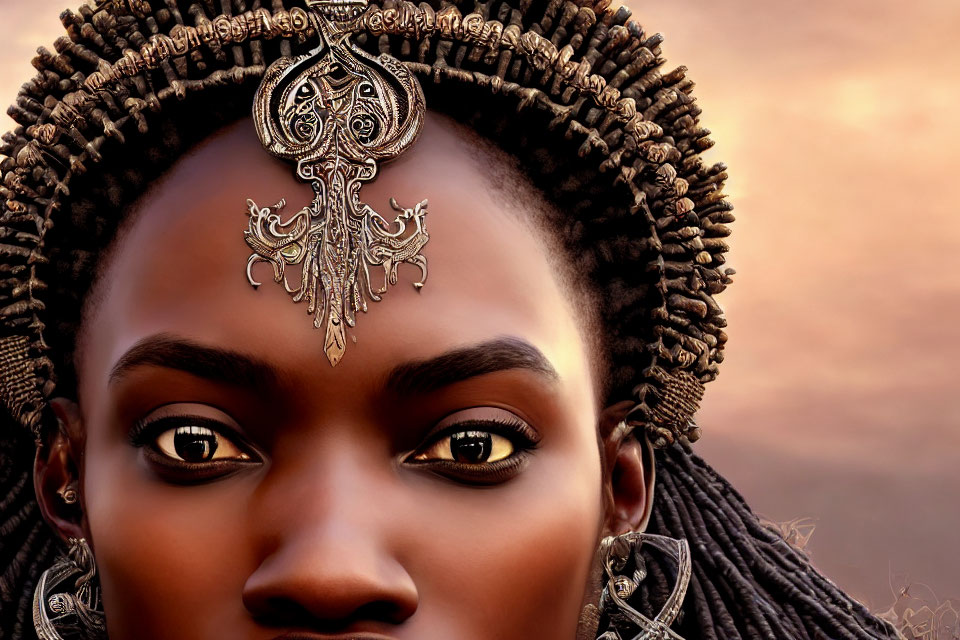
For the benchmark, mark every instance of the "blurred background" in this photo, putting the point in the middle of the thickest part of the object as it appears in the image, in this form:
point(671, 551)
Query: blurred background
point(838, 399)
point(837, 402)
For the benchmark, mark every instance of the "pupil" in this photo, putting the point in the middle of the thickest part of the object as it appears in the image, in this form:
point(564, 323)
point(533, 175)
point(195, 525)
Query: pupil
point(195, 444)
point(471, 446)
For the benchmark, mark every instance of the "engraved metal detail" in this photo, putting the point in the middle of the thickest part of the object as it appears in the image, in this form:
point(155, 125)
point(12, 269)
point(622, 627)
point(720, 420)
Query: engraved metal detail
point(66, 600)
point(337, 112)
point(621, 556)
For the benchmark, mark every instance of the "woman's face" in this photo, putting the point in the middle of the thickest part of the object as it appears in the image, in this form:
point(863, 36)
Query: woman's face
point(443, 481)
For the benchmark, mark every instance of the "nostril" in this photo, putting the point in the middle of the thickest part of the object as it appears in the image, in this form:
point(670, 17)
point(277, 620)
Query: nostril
point(281, 612)
point(383, 611)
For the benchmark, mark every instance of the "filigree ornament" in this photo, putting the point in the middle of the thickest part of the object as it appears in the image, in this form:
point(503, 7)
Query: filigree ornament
point(625, 568)
point(66, 599)
point(337, 111)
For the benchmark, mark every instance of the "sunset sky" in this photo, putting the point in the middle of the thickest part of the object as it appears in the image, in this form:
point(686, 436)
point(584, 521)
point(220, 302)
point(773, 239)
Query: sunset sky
point(837, 399)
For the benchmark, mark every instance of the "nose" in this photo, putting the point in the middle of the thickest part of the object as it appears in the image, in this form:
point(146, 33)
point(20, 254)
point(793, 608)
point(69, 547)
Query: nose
point(327, 565)
point(329, 583)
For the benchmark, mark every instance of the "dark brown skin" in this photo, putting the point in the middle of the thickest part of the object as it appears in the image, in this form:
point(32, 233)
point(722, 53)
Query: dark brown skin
point(327, 513)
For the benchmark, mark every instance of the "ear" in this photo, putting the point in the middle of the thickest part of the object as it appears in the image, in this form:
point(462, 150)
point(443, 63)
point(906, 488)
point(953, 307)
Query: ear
point(56, 472)
point(628, 473)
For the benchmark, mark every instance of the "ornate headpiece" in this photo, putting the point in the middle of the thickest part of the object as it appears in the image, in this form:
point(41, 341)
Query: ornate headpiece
point(337, 111)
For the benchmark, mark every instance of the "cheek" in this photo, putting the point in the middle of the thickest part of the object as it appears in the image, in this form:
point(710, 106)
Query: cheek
point(513, 562)
point(172, 560)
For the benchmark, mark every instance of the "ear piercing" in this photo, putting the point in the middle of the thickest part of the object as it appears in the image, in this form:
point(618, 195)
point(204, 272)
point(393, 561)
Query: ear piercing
point(68, 493)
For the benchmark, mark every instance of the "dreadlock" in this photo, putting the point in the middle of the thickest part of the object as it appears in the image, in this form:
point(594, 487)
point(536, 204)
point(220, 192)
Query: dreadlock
point(613, 140)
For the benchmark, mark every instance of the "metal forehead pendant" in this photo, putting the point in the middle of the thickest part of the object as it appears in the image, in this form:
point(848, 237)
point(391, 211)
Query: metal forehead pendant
point(337, 111)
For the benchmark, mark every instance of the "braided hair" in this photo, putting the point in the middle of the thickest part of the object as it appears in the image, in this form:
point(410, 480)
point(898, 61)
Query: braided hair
point(612, 139)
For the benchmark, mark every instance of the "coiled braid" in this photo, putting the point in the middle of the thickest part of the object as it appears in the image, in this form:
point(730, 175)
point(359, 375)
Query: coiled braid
point(611, 138)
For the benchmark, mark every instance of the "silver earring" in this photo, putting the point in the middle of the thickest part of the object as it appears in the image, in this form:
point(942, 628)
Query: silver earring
point(68, 493)
point(65, 609)
point(625, 570)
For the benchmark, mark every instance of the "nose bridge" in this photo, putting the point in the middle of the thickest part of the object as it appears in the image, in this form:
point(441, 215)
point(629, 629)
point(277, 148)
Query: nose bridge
point(319, 476)
point(331, 484)
point(325, 533)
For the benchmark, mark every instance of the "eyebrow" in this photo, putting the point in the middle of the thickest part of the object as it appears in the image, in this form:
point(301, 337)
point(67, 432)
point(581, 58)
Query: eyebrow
point(500, 354)
point(419, 377)
point(211, 363)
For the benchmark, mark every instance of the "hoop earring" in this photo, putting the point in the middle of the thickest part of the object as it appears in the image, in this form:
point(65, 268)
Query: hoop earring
point(75, 612)
point(625, 569)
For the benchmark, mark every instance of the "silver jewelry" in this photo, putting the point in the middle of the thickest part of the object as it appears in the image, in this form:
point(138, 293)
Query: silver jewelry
point(68, 493)
point(337, 111)
point(624, 568)
point(65, 609)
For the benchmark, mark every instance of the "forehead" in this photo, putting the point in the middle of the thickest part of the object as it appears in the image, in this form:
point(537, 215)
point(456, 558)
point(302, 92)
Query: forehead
point(179, 268)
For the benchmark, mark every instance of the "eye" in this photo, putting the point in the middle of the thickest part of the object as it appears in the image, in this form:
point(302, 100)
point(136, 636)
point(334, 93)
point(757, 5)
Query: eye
point(195, 443)
point(470, 447)
point(480, 445)
point(189, 443)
